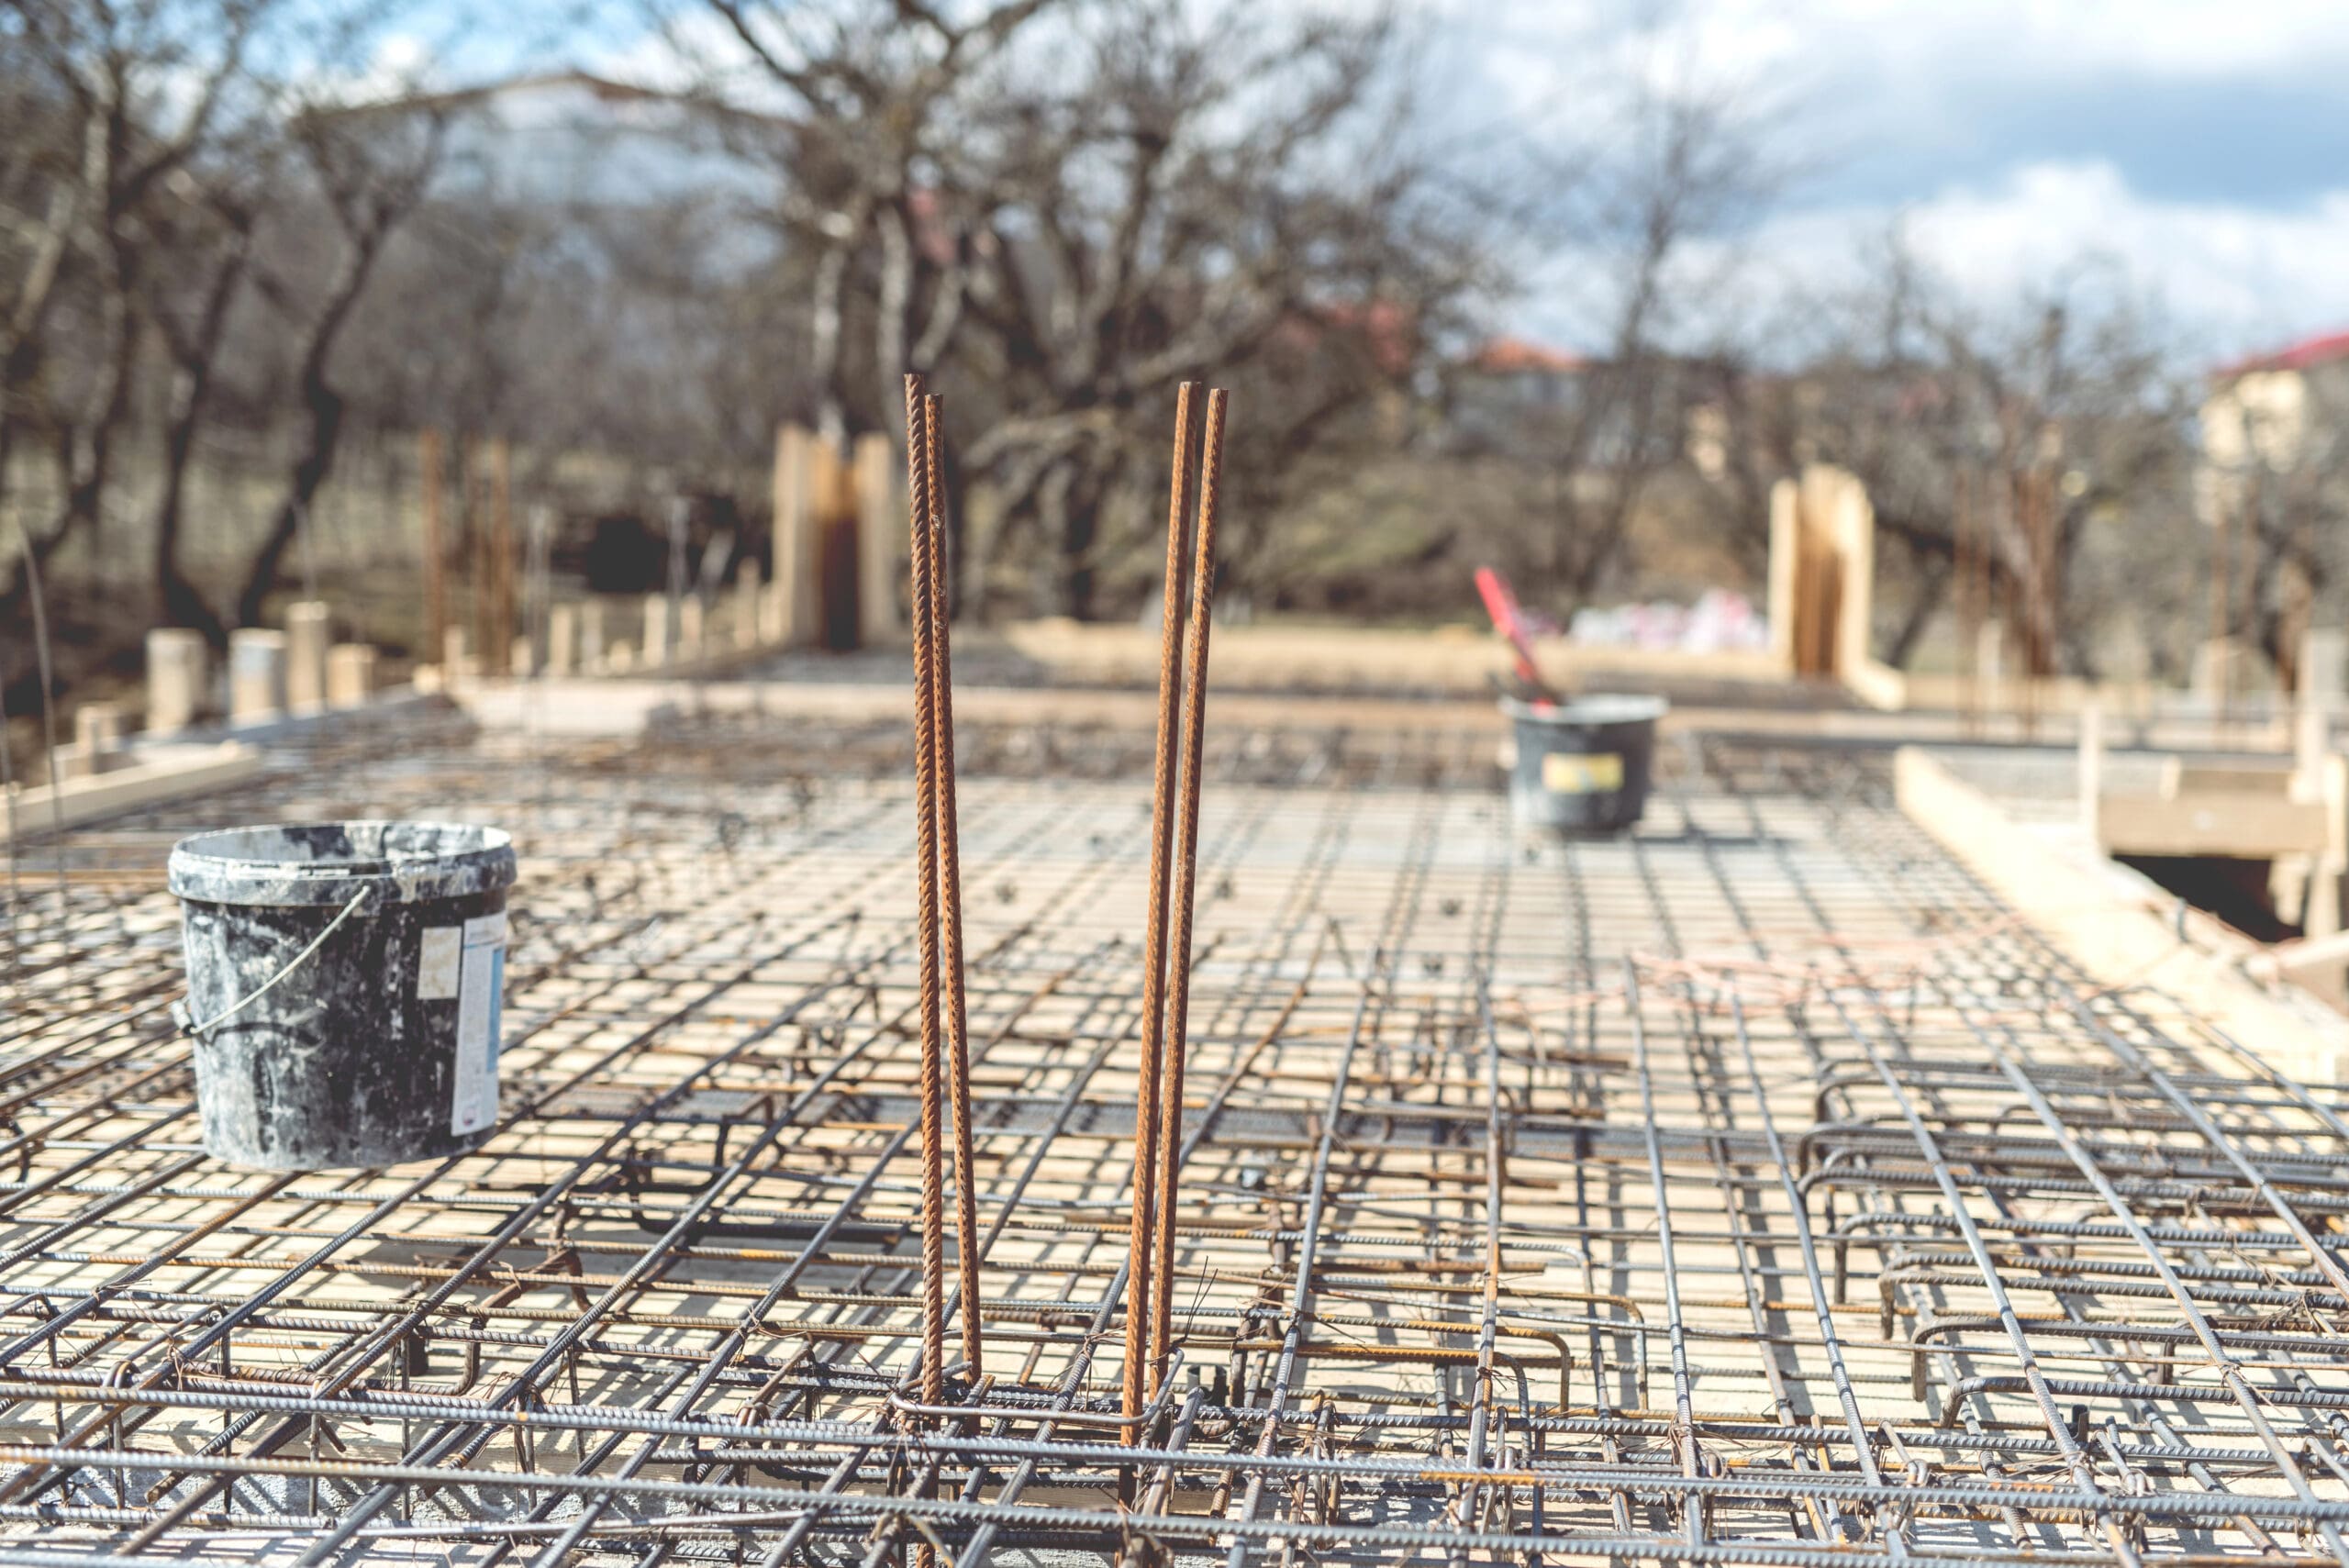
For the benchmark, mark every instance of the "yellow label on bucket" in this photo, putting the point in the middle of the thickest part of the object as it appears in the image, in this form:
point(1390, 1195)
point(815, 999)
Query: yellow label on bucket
point(1567, 772)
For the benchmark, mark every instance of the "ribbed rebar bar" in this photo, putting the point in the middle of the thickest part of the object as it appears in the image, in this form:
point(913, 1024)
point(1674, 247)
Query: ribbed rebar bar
point(1496, 1123)
point(1148, 1067)
point(1185, 893)
point(934, 1177)
point(950, 878)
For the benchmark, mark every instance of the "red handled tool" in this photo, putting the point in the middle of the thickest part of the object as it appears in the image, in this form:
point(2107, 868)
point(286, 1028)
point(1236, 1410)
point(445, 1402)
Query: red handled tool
point(1510, 621)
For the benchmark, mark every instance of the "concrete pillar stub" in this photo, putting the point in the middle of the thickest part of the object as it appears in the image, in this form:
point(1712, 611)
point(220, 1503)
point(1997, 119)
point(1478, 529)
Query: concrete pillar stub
point(689, 628)
point(2213, 671)
point(176, 658)
point(621, 659)
point(879, 483)
point(97, 727)
point(256, 675)
point(2324, 651)
point(521, 657)
point(351, 674)
point(748, 591)
point(2091, 769)
point(456, 659)
point(306, 639)
point(591, 636)
point(658, 642)
point(97, 740)
point(562, 638)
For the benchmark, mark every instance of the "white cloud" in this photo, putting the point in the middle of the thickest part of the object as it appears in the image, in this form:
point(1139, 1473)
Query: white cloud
point(2173, 38)
point(2230, 278)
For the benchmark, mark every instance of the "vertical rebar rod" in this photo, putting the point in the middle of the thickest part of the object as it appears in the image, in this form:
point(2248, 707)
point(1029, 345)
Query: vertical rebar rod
point(430, 483)
point(45, 669)
point(1162, 822)
point(1186, 876)
point(498, 658)
point(933, 1217)
point(950, 877)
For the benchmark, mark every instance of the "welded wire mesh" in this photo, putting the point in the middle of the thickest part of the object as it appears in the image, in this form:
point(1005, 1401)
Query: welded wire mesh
point(1754, 1188)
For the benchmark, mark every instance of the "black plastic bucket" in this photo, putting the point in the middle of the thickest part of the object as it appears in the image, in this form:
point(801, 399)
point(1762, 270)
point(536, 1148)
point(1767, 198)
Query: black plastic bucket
point(1584, 765)
point(344, 988)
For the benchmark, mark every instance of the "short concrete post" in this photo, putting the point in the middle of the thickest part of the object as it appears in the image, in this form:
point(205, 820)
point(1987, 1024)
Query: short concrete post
point(256, 675)
point(2312, 745)
point(176, 678)
point(774, 613)
point(2213, 670)
point(747, 596)
point(1990, 664)
point(97, 740)
point(689, 626)
point(456, 660)
point(591, 636)
point(562, 638)
point(658, 644)
point(350, 674)
point(2091, 768)
point(621, 659)
point(306, 639)
point(2324, 666)
point(97, 727)
point(522, 658)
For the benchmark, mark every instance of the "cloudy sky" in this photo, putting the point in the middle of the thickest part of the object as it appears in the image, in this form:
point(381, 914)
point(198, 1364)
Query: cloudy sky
point(2203, 143)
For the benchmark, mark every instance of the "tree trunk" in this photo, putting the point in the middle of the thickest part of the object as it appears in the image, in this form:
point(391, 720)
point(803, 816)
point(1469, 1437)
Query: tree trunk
point(310, 472)
point(894, 305)
point(827, 327)
point(177, 600)
point(326, 408)
point(1933, 583)
point(90, 462)
point(1072, 515)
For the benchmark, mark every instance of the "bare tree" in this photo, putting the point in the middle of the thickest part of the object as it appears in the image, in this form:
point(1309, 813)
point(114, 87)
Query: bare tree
point(132, 93)
point(1210, 199)
point(370, 173)
point(1646, 207)
point(1998, 448)
point(880, 94)
point(213, 239)
point(2273, 494)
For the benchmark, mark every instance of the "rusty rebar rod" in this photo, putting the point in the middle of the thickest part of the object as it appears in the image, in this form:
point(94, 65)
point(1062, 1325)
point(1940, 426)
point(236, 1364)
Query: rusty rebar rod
point(1186, 877)
point(933, 1206)
point(950, 879)
point(1162, 822)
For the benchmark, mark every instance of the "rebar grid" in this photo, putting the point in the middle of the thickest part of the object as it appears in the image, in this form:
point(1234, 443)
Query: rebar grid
point(1751, 1189)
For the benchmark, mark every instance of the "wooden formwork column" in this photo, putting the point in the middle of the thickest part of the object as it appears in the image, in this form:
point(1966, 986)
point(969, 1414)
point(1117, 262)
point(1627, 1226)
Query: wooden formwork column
point(436, 582)
point(1786, 563)
point(498, 656)
point(1822, 573)
point(796, 531)
point(880, 538)
point(1853, 532)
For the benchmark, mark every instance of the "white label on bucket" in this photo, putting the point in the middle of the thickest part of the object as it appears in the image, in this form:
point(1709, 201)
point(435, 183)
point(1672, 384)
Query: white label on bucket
point(482, 986)
point(436, 963)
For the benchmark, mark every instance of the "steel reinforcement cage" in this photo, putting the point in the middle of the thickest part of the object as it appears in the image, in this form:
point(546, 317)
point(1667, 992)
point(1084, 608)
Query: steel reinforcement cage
point(1754, 1188)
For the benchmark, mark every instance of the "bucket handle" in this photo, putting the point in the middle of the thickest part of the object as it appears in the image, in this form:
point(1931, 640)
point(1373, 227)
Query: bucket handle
point(179, 1008)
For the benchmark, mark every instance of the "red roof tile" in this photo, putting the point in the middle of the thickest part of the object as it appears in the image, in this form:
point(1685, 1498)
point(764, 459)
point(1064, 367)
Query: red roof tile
point(1514, 356)
point(2300, 356)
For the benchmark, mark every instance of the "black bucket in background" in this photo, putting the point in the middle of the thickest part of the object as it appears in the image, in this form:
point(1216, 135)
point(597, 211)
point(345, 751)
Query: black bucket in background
point(1583, 766)
point(381, 1046)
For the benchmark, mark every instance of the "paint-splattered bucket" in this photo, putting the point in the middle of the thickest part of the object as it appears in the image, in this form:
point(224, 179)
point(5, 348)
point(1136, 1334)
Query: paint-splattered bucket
point(344, 988)
point(1583, 766)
